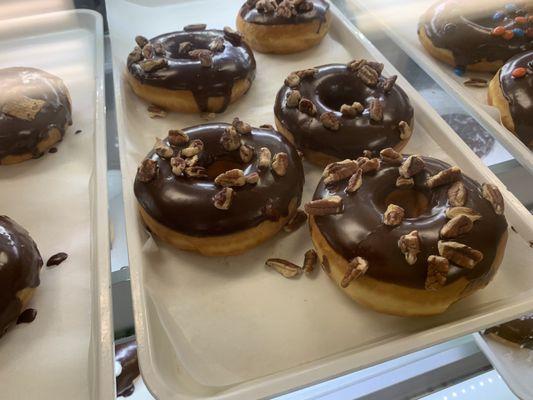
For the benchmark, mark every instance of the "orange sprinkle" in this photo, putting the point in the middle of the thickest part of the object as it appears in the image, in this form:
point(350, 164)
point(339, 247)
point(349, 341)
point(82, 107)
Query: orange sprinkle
point(520, 20)
point(519, 72)
point(508, 35)
point(498, 31)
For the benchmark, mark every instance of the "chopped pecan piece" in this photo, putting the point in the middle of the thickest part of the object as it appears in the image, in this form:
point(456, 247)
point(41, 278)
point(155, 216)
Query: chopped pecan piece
point(355, 182)
point(233, 177)
point(153, 65)
point(156, 112)
point(460, 254)
point(280, 163)
point(176, 137)
point(330, 121)
point(285, 9)
point(307, 107)
point(242, 127)
point(195, 147)
point(327, 206)
point(410, 246)
point(310, 259)
point(455, 211)
point(388, 83)
point(394, 215)
point(354, 65)
point(356, 268)
point(405, 183)
point(411, 166)
point(437, 272)
point(444, 177)
point(217, 45)
point(246, 153)
point(141, 41)
point(284, 267)
point(296, 222)
point(162, 149)
point(308, 73)
point(368, 75)
point(351, 111)
point(148, 51)
point(405, 130)
point(191, 161)
point(147, 170)
point(337, 171)
point(293, 80)
point(457, 194)
point(178, 165)
point(375, 110)
point(204, 56)
point(23, 107)
point(194, 27)
point(391, 156)
point(376, 66)
point(293, 98)
point(196, 172)
point(264, 158)
point(135, 55)
point(266, 6)
point(492, 194)
point(230, 139)
point(370, 165)
point(185, 48)
point(456, 226)
point(222, 200)
point(232, 35)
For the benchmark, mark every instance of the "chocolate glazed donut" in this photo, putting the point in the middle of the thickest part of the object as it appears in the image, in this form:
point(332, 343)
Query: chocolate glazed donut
point(511, 91)
point(35, 111)
point(219, 189)
point(518, 332)
point(406, 235)
point(20, 264)
point(192, 70)
point(282, 27)
point(338, 111)
point(470, 36)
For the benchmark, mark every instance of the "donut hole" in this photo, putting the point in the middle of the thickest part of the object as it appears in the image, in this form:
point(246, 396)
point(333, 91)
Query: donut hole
point(220, 166)
point(414, 202)
point(338, 90)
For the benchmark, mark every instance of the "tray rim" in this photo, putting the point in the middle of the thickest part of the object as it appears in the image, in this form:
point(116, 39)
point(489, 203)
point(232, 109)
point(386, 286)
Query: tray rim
point(318, 370)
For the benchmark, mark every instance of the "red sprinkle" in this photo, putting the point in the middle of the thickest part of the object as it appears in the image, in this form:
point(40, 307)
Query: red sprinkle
point(508, 35)
point(520, 20)
point(498, 31)
point(519, 72)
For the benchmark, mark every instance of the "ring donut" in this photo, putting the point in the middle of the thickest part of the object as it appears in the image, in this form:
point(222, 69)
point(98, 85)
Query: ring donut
point(35, 111)
point(219, 189)
point(405, 235)
point(283, 27)
point(20, 264)
point(339, 111)
point(469, 36)
point(194, 70)
point(511, 91)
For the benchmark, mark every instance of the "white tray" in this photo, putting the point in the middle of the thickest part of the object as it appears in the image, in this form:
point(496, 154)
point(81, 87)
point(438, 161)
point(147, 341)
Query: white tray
point(515, 365)
point(61, 199)
point(228, 328)
point(400, 21)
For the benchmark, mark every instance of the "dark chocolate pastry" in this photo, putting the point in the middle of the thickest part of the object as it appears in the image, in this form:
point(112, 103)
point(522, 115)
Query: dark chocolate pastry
point(518, 331)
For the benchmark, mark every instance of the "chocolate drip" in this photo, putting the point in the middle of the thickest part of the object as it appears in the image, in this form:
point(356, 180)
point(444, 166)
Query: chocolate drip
point(333, 86)
point(27, 316)
point(126, 356)
point(56, 259)
point(318, 13)
point(519, 93)
point(20, 263)
point(19, 136)
point(465, 29)
point(359, 230)
point(519, 331)
point(184, 72)
point(186, 204)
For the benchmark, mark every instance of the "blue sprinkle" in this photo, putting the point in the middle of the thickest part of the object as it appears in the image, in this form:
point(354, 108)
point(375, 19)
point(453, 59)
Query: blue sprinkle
point(511, 7)
point(459, 70)
point(498, 15)
point(518, 32)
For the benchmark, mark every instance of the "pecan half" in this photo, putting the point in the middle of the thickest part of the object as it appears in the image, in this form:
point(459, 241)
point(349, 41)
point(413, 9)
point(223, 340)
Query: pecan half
point(293, 98)
point(456, 226)
point(457, 194)
point(492, 194)
point(194, 27)
point(405, 130)
point(376, 66)
point(178, 165)
point(307, 107)
point(327, 206)
point(252, 178)
point(356, 268)
point(280, 163)
point(370, 165)
point(438, 268)
point(232, 35)
point(217, 45)
point(393, 215)
point(153, 65)
point(141, 41)
point(293, 80)
point(162, 150)
point(196, 172)
point(308, 73)
point(176, 137)
point(411, 166)
point(204, 56)
point(368, 75)
point(243, 128)
point(23, 107)
point(391, 156)
point(459, 254)
point(310, 259)
point(233, 177)
point(266, 6)
point(156, 111)
point(375, 110)
point(444, 177)
point(230, 139)
point(195, 147)
point(185, 48)
point(351, 111)
point(285, 9)
point(222, 200)
point(147, 170)
point(296, 222)
point(388, 83)
point(340, 170)
point(355, 182)
point(354, 65)
point(264, 158)
point(405, 183)
point(330, 121)
point(410, 246)
point(246, 153)
point(284, 267)
point(455, 211)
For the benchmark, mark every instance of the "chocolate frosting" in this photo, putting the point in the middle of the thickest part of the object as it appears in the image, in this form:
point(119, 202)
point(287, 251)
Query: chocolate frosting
point(333, 86)
point(186, 205)
point(519, 94)
point(465, 28)
point(126, 356)
point(359, 230)
point(184, 72)
point(519, 331)
point(20, 263)
point(319, 12)
point(19, 136)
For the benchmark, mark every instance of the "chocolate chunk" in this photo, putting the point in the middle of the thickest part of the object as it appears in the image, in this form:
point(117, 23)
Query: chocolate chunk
point(56, 259)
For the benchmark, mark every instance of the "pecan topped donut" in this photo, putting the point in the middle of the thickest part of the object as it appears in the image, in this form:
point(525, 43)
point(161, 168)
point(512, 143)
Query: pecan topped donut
point(192, 70)
point(284, 26)
point(406, 235)
point(219, 189)
point(338, 111)
point(470, 36)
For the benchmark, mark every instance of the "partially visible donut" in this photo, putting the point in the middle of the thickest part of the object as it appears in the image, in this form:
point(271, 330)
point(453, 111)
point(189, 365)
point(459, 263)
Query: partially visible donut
point(282, 27)
point(20, 264)
point(405, 235)
point(35, 111)
point(468, 35)
point(339, 111)
point(518, 332)
point(219, 189)
point(194, 70)
point(511, 91)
